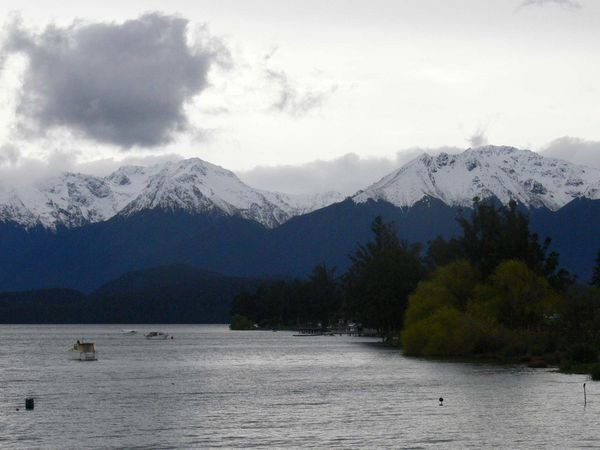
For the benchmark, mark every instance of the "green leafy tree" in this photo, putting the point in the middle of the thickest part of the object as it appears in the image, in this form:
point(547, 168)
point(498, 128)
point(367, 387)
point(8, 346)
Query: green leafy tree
point(446, 332)
point(451, 285)
point(239, 322)
point(436, 323)
point(515, 297)
point(455, 313)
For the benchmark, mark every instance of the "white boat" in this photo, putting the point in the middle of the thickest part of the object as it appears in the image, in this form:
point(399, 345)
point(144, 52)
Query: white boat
point(157, 335)
point(84, 351)
point(129, 331)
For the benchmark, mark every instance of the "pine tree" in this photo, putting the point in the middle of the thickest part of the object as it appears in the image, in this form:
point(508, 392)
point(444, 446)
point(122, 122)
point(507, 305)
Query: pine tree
point(493, 235)
point(383, 274)
point(324, 296)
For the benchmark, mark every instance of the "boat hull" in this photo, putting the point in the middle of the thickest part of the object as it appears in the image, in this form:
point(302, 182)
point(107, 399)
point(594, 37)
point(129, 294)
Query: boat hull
point(157, 336)
point(83, 356)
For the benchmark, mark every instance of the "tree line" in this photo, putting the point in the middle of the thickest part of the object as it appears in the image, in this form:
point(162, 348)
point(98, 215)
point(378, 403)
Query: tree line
point(497, 290)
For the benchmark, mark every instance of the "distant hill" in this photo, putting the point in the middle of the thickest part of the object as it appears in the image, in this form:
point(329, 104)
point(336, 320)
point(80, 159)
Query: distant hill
point(41, 306)
point(171, 294)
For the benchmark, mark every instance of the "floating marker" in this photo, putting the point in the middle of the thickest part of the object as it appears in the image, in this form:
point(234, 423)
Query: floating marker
point(29, 403)
point(441, 401)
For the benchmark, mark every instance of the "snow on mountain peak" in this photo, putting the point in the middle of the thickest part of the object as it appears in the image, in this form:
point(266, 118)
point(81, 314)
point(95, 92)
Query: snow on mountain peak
point(506, 173)
point(195, 186)
point(192, 185)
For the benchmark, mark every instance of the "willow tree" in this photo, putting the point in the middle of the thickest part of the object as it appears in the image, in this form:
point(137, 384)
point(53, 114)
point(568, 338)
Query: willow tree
point(455, 313)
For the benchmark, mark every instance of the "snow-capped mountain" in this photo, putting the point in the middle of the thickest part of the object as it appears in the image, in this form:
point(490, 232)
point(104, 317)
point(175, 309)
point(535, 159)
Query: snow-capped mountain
point(506, 173)
point(195, 186)
point(192, 185)
point(85, 257)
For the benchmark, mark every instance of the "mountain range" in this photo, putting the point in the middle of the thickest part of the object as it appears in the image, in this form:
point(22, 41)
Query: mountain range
point(81, 231)
point(73, 200)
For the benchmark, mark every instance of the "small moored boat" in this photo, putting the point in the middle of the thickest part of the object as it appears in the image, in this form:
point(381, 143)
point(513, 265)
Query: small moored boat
point(129, 331)
point(84, 351)
point(156, 335)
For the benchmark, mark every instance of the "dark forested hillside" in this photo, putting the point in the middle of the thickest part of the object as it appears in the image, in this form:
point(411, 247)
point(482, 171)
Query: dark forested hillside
point(172, 294)
point(88, 257)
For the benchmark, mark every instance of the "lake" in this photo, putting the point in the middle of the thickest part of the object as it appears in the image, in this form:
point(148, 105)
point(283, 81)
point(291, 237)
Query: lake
point(210, 387)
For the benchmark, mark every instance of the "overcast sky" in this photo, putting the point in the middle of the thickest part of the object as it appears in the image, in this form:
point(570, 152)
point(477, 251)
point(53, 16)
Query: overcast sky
point(294, 96)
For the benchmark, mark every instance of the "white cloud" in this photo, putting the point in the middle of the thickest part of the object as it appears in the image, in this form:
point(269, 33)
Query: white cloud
point(478, 138)
point(575, 150)
point(571, 4)
point(346, 174)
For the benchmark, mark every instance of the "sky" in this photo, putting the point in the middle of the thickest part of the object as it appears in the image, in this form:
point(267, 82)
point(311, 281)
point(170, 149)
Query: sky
point(297, 97)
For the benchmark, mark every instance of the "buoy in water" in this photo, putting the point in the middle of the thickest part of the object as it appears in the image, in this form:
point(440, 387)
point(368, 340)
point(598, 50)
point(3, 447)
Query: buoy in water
point(29, 403)
point(441, 401)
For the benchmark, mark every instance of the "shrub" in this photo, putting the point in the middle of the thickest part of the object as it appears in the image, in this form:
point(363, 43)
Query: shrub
point(414, 338)
point(582, 353)
point(565, 365)
point(239, 322)
point(595, 372)
point(447, 332)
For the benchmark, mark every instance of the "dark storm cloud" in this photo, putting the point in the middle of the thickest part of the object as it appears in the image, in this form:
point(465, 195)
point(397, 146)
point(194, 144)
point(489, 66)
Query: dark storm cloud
point(291, 100)
point(572, 4)
point(575, 150)
point(124, 84)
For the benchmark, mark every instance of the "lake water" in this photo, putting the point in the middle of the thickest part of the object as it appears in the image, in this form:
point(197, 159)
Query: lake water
point(211, 387)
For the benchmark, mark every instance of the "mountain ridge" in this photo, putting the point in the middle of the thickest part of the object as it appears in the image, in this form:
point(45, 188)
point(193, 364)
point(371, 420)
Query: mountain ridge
point(503, 172)
point(72, 200)
point(159, 229)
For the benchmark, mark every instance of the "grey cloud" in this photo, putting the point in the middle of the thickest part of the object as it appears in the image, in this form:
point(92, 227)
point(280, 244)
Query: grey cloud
point(571, 4)
point(575, 150)
point(123, 84)
point(28, 170)
point(9, 155)
point(103, 167)
point(293, 101)
point(346, 174)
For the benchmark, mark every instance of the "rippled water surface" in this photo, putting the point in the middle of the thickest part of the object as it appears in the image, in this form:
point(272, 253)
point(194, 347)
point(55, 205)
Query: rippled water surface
point(210, 387)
